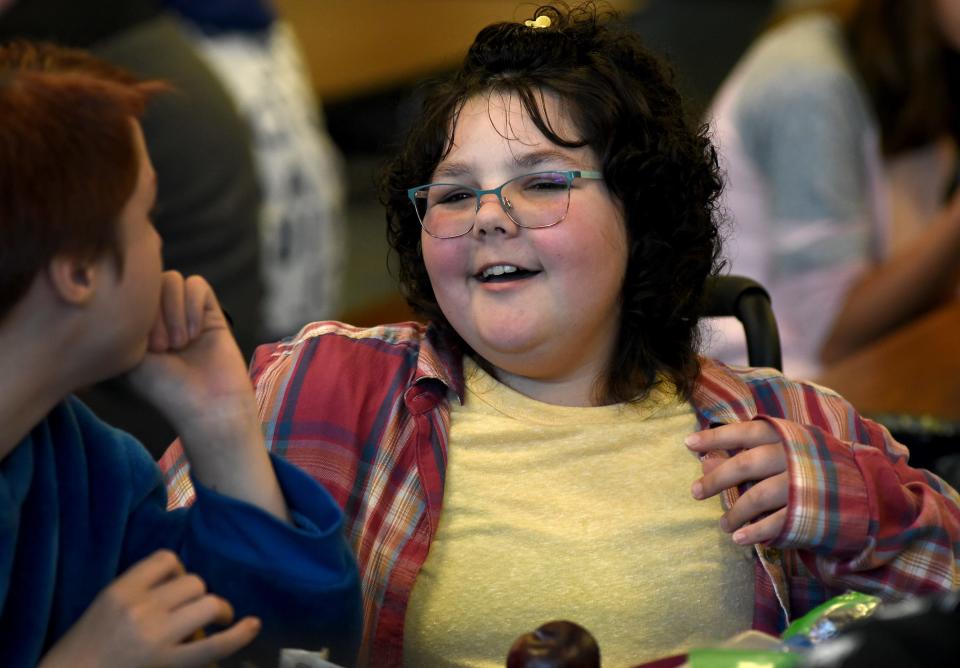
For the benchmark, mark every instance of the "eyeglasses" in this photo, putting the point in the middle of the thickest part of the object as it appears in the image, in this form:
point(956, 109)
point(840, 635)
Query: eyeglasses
point(540, 199)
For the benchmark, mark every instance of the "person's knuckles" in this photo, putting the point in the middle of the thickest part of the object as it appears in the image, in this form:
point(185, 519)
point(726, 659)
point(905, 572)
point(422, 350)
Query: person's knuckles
point(711, 464)
point(738, 468)
point(769, 528)
point(221, 644)
point(173, 275)
point(739, 514)
point(763, 497)
point(201, 611)
point(191, 586)
point(710, 485)
point(768, 461)
point(217, 608)
point(723, 477)
point(775, 451)
point(166, 561)
point(723, 438)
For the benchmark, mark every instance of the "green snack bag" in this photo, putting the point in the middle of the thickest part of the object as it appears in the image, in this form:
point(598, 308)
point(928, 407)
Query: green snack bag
point(727, 657)
point(827, 619)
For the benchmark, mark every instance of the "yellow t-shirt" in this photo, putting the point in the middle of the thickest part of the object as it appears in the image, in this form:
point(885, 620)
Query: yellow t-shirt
point(553, 512)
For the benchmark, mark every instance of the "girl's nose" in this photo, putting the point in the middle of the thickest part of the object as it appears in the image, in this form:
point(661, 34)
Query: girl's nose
point(492, 217)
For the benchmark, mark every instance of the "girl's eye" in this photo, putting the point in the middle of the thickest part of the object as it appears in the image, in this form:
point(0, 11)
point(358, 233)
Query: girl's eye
point(454, 196)
point(546, 184)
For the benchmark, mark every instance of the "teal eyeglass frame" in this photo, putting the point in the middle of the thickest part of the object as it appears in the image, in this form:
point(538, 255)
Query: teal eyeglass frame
point(570, 175)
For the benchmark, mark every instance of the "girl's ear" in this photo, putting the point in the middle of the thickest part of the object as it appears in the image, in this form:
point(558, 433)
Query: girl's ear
point(74, 280)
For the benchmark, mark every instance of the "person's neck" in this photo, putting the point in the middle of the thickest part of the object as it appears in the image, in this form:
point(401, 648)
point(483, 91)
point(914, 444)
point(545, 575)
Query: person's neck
point(35, 373)
point(556, 392)
point(570, 375)
point(575, 388)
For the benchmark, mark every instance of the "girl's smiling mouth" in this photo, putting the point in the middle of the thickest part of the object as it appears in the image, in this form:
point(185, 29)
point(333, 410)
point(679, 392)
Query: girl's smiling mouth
point(503, 272)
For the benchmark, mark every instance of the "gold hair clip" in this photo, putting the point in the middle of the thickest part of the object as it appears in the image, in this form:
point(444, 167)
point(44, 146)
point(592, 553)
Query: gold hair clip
point(540, 22)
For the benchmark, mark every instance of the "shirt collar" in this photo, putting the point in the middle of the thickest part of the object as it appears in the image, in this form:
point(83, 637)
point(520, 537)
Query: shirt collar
point(722, 396)
point(440, 359)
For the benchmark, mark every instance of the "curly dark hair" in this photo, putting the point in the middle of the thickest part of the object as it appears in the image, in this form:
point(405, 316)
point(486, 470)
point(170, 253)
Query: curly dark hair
point(662, 170)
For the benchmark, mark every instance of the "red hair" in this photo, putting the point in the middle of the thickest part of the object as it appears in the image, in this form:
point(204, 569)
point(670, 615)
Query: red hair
point(68, 162)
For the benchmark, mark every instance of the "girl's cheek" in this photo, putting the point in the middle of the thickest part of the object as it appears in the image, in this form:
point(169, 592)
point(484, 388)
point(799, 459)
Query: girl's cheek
point(444, 258)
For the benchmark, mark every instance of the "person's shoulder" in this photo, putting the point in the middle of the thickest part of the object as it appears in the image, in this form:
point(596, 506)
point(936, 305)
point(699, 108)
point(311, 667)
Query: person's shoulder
point(756, 379)
point(810, 44)
point(87, 446)
point(738, 392)
point(72, 416)
point(362, 349)
point(795, 104)
point(802, 61)
point(722, 392)
point(757, 388)
point(344, 336)
point(95, 432)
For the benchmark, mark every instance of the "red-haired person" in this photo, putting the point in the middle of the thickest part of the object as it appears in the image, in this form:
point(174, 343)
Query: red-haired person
point(93, 569)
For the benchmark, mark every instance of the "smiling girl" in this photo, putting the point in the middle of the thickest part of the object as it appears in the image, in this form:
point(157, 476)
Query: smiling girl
point(534, 451)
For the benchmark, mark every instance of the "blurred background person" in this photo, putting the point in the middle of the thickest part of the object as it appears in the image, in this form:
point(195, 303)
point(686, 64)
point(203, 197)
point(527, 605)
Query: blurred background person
point(256, 55)
point(209, 199)
point(837, 131)
point(701, 39)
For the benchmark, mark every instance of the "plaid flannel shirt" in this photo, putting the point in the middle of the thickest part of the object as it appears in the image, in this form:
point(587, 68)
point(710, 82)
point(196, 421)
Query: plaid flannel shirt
point(366, 413)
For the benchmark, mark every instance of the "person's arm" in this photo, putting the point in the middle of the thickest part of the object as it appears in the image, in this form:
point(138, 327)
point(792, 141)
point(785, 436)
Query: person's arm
point(919, 276)
point(195, 374)
point(809, 142)
point(262, 533)
point(800, 197)
point(858, 515)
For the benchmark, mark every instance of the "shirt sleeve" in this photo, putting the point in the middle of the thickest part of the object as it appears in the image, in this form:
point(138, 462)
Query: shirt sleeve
point(859, 516)
point(174, 464)
point(301, 581)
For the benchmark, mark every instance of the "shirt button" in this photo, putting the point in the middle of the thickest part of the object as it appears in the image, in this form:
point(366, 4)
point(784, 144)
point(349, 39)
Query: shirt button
point(419, 400)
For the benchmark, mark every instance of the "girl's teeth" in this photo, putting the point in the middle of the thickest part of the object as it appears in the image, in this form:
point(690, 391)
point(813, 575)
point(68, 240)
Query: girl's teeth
point(499, 270)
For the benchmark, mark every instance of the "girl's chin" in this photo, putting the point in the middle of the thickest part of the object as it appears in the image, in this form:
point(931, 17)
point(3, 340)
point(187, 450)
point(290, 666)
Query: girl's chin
point(514, 356)
point(507, 343)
